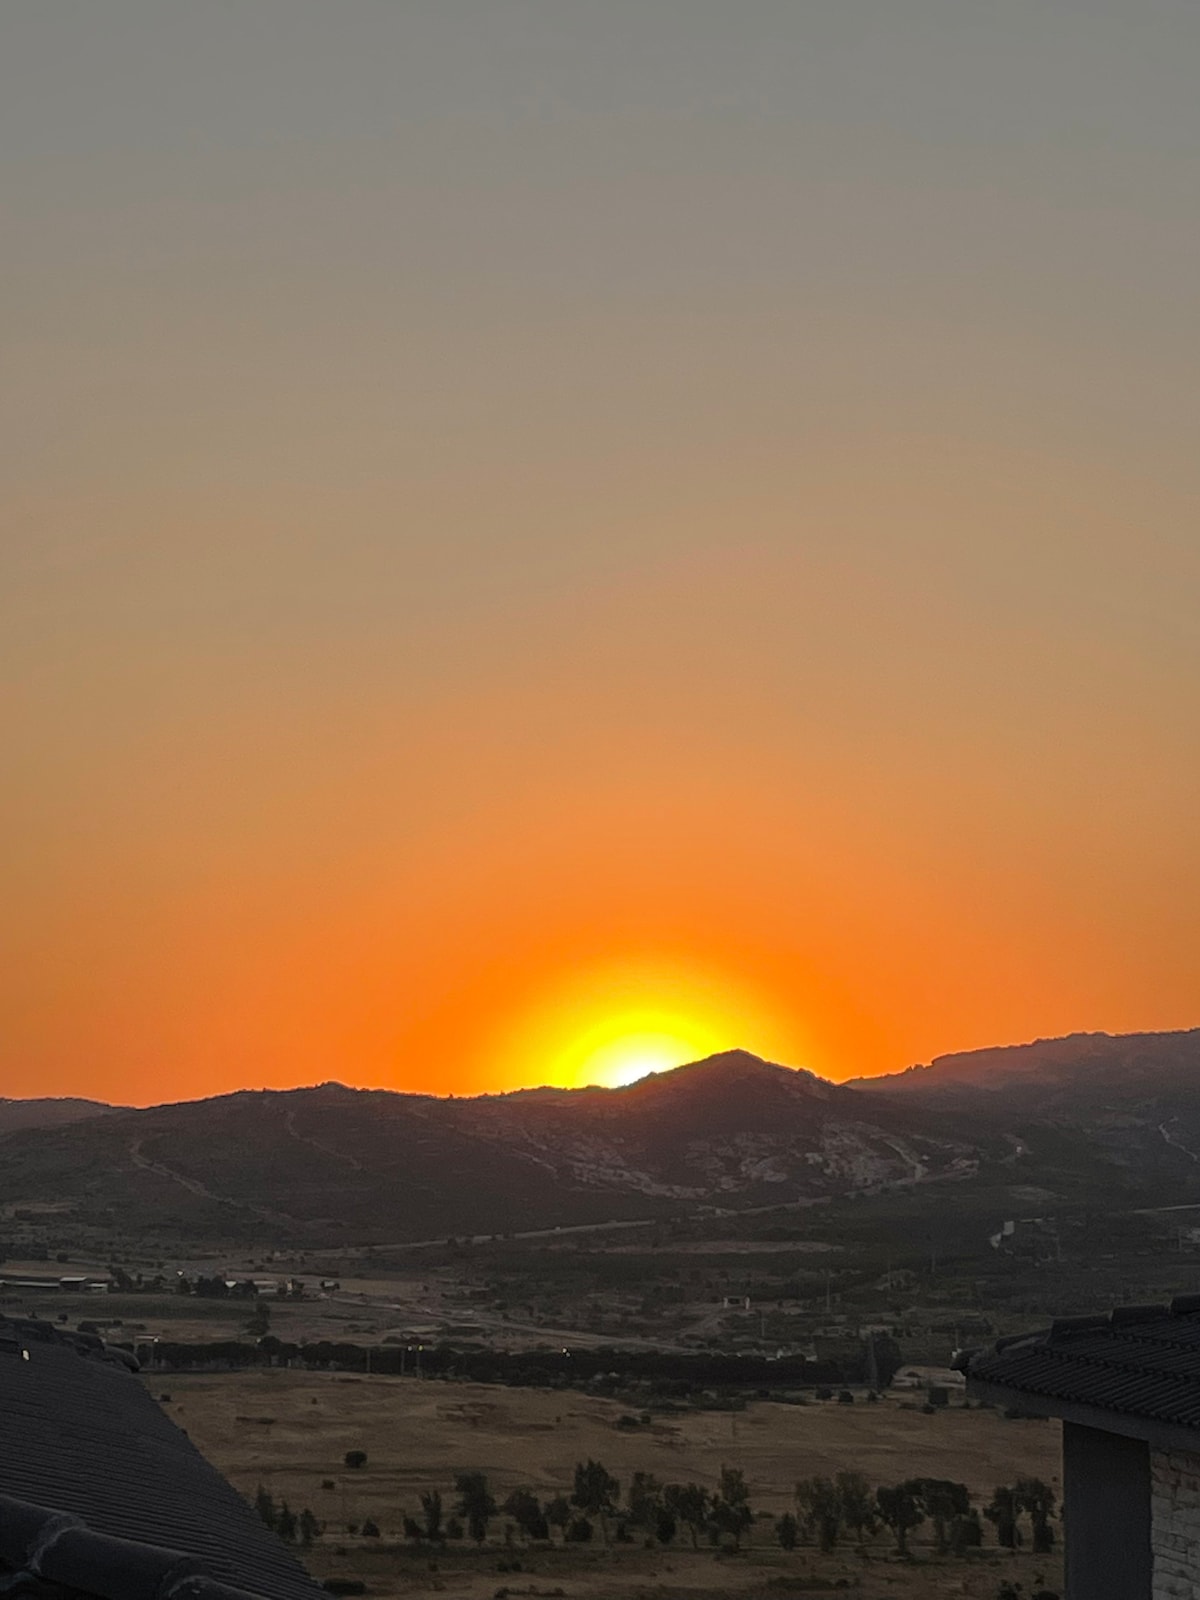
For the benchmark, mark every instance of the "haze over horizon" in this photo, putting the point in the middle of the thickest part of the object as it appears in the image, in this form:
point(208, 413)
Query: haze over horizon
point(544, 540)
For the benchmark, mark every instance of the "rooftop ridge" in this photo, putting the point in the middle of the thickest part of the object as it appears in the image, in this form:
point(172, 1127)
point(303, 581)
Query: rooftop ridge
point(41, 1542)
point(1134, 1370)
point(89, 1346)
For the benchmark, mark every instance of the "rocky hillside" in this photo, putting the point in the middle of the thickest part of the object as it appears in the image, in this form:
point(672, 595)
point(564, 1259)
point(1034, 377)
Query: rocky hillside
point(1093, 1120)
point(332, 1164)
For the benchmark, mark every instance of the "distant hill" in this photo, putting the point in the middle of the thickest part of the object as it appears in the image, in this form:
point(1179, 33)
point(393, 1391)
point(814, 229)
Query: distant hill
point(332, 1164)
point(16, 1114)
point(1110, 1121)
point(1082, 1061)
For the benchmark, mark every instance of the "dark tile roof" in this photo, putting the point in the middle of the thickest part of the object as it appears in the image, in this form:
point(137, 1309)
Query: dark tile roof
point(1138, 1362)
point(102, 1495)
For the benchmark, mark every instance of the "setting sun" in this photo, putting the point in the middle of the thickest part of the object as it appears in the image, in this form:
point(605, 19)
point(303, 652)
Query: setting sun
point(623, 1049)
point(620, 1023)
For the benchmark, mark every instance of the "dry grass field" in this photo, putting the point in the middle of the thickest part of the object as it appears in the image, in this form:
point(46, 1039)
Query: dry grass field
point(290, 1432)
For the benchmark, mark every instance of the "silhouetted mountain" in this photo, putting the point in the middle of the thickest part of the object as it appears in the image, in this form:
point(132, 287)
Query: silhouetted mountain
point(1117, 1119)
point(1080, 1061)
point(1114, 1117)
point(47, 1113)
point(332, 1163)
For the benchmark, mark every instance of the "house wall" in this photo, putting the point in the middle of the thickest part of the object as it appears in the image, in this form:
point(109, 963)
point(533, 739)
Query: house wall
point(1175, 1524)
point(1107, 1516)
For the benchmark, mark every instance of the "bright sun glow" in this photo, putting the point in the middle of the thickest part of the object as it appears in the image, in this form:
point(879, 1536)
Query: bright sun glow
point(615, 1025)
point(623, 1048)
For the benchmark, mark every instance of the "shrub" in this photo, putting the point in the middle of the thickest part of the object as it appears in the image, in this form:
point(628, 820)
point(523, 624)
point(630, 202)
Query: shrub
point(355, 1458)
point(578, 1530)
point(370, 1530)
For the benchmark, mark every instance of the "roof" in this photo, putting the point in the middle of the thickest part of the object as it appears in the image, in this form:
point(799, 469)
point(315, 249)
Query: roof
point(101, 1495)
point(1134, 1371)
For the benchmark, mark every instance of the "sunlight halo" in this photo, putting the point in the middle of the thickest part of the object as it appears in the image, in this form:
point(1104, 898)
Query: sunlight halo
point(614, 1025)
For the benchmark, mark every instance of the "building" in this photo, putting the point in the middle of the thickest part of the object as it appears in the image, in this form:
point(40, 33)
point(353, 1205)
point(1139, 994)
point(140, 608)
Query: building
point(102, 1497)
point(1126, 1388)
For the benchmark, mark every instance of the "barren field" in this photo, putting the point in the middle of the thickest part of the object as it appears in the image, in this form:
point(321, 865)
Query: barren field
point(290, 1432)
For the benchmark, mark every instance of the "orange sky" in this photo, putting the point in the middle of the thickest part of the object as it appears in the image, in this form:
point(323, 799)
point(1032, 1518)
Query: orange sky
point(524, 528)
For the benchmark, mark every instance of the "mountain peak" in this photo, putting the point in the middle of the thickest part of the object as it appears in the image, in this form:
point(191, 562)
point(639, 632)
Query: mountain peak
point(717, 1076)
point(729, 1064)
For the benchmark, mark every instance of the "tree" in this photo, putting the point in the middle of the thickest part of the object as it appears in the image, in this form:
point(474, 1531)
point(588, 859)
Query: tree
point(259, 1321)
point(310, 1528)
point(856, 1504)
point(264, 1504)
point(730, 1507)
point(558, 1511)
point(1002, 1510)
point(645, 1499)
point(664, 1526)
point(965, 1533)
point(787, 1531)
point(820, 1508)
point(285, 1523)
point(524, 1507)
point(688, 1503)
point(899, 1510)
point(431, 1509)
point(942, 1501)
point(1037, 1498)
point(355, 1458)
point(596, 1492)
point(475, 1503)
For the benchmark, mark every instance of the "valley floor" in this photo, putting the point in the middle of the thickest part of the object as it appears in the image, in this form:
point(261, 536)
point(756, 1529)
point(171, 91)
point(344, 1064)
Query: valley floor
point(290, 1432)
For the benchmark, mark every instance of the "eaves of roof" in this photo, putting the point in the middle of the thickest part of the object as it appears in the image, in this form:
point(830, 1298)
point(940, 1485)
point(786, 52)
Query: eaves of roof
point(1134, 1372)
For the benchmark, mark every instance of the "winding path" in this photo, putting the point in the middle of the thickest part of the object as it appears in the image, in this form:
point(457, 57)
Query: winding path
point(194, 1186)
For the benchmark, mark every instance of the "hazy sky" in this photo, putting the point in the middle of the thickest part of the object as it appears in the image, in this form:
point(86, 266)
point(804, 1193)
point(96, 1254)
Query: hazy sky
point(531, 521)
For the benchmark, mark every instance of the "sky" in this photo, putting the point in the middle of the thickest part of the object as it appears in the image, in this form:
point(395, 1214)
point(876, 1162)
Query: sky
point(542, 538)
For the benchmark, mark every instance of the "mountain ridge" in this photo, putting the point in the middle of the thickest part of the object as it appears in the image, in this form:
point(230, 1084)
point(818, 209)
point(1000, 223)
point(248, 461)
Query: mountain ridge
point(331, 1164)
point(1054, 1060)
point(48, 1111)
point(328, 1162)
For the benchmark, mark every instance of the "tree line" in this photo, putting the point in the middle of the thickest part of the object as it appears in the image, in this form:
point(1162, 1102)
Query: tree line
point(538, 1368)
point(828, 1507)
point(827, 1510)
